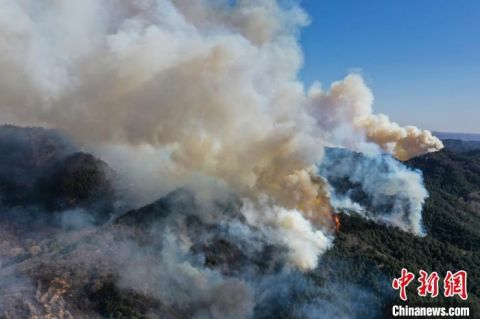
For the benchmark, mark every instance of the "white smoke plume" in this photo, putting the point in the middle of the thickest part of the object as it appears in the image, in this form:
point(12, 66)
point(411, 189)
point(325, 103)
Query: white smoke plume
point(171, 277)
point(348, 105)
point(211, 85)
point(288, 228)
point(381, 188)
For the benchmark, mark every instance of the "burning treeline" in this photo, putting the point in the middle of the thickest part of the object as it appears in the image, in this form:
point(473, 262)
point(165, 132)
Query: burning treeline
point(212, 86)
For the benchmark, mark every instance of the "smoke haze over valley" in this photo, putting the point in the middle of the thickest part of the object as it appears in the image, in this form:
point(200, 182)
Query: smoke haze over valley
point(162, 159)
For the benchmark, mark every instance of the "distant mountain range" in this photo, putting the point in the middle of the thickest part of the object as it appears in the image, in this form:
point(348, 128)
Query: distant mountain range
point(457, 136)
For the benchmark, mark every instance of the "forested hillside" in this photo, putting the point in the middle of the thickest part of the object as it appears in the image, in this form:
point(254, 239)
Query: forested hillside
point(69, 246)
point(373, 254)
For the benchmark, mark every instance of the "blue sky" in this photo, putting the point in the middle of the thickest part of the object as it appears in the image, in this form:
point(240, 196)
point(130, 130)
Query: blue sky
point(420, 57)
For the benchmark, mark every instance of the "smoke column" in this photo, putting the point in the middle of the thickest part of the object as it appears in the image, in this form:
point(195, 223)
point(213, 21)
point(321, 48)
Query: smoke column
point(211, 85)
point(386, 190)
point(348, 105)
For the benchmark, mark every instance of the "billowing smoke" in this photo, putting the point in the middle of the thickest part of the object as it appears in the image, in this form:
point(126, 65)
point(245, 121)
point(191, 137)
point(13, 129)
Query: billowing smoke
point(174, 277)
point(212, 88)
point(288, 228)
point(346, 109)
point(379, 187)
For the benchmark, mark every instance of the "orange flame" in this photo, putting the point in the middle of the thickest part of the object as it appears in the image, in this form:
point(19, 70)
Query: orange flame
point(336, 219)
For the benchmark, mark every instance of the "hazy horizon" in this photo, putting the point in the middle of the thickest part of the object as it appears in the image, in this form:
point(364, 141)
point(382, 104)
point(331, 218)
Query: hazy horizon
point(420, 59)
point(457, 136)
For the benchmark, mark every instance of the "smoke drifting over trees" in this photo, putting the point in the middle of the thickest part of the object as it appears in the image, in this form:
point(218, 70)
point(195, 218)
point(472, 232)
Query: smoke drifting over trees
point(204, 96)
point(213, 86)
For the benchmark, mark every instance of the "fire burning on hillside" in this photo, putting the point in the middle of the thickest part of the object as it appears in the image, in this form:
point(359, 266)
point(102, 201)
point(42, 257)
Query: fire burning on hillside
point(206, 96)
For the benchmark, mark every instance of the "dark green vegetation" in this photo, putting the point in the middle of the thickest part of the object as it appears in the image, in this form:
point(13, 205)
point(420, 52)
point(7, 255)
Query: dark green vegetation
point(372, 255)
point(78, 270)
point(40, 170)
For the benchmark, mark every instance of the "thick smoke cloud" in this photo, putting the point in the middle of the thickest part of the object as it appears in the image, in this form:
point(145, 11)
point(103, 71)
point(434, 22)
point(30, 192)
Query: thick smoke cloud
point(203, 94)
point(220, 98)
point(288, 228)
point(211, 86)
point(347, 106)
point(175, 277)
point(379, 187)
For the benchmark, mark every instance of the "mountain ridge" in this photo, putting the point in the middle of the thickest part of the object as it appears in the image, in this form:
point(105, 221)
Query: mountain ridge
point(112, 269)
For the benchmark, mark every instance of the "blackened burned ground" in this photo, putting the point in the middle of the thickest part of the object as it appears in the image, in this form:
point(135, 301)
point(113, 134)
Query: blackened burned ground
point(71, 276)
